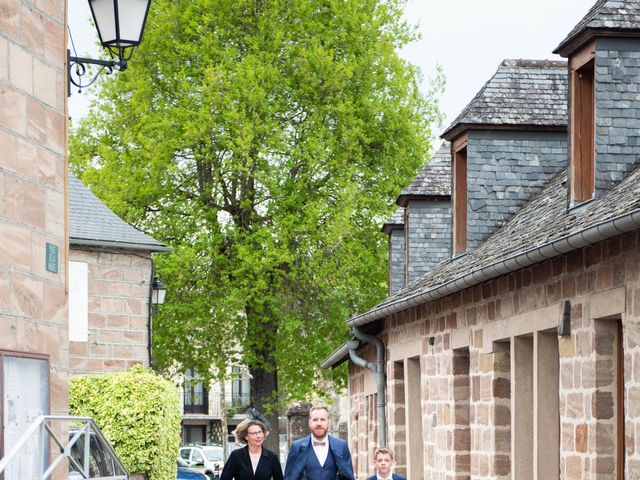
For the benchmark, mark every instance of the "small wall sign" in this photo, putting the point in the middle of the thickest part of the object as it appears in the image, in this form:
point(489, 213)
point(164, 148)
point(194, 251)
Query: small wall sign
point(51, 258)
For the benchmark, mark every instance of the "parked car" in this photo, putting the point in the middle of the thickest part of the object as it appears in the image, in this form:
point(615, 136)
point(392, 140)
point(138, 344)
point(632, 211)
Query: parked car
point(186, 473)
point(208, 459)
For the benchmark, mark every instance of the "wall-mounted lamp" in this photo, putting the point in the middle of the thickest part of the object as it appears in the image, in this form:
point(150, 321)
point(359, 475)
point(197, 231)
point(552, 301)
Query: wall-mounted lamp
point(158, 291)
point(120, 24)
point(564, 324)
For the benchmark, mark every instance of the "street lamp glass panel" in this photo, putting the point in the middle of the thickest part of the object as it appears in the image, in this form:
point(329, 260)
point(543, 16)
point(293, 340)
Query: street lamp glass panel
point(158, 296)
point(158, 292)
point(119, 22)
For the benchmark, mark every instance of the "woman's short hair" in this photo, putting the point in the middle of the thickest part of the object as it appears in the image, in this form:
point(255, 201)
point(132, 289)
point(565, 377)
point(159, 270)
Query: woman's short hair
point(242, 430)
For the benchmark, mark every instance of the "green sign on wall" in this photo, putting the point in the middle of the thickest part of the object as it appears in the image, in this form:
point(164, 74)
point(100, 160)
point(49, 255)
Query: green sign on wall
point(51, 258)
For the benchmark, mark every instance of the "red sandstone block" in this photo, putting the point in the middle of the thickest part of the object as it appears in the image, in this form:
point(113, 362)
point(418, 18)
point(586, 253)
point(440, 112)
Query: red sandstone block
point(54, 43)
point(37, 124)
point(33, 30)
point(568, 287)
point(26, 296)
point(593, 255)
point(45, 87)
point(129, 337)
point(571, 468)
point(10, 18)
point(56, 130)
point(49, 169)
point(581, 438)
point(34, 205)
point(604, 277)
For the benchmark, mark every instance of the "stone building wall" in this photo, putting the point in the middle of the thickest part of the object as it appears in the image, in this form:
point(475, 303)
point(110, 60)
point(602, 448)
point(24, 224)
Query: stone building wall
point(118, 312)
point(33, 302)
point(500, 390)
point(504, 170)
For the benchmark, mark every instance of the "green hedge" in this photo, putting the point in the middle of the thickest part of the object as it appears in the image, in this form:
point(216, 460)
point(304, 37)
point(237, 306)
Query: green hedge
point(139, 412)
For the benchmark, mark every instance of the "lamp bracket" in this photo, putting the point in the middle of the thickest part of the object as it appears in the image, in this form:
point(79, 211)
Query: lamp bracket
point(78, 74)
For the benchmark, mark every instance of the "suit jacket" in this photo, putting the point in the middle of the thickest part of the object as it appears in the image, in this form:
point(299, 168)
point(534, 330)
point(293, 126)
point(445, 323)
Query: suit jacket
point(238, 466)
point(297, 459)
point(394, 476)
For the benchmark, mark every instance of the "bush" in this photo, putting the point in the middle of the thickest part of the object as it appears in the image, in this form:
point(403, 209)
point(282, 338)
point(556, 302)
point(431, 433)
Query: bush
point(139, 412)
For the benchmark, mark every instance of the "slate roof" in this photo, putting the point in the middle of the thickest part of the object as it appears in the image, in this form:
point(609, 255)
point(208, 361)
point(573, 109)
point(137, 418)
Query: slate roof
point(395, 221)
point(92, 223)
point(433, 181)
point(530, 93)
point(541, 221)
point(606, 17)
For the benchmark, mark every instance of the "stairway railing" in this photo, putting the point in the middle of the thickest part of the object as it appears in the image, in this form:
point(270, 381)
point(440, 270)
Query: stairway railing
point(87, 451)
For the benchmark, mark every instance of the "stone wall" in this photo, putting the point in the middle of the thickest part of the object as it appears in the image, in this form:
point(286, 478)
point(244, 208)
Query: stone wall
point(501, 390)
point(504, 170)
point(118, 312)
point(33, 303)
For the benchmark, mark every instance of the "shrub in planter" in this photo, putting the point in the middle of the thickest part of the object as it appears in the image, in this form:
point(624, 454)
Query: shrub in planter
point(139, 412)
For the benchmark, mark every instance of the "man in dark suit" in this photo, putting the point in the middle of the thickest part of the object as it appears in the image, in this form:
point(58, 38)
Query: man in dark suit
point(383, 460)
point(319, 456)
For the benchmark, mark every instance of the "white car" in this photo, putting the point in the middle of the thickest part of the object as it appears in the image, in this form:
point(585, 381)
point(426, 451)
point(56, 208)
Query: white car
point(208, 459)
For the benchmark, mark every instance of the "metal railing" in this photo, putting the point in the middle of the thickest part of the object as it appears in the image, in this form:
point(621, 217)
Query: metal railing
point(53, 443)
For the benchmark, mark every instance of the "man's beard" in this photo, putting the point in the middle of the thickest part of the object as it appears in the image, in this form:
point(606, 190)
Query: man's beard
point(320, 432)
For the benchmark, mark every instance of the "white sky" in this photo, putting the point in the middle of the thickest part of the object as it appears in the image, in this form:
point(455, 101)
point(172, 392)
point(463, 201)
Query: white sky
point(468, 38)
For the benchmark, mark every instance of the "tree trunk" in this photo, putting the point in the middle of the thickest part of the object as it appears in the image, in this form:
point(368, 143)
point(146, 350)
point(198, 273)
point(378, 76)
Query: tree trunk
point(263, 392)
point(262, 332)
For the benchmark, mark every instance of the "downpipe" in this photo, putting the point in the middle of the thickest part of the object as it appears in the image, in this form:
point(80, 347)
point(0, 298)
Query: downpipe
point(379, 371)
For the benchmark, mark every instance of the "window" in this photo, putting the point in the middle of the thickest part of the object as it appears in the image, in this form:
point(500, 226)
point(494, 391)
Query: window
point(459, 195)
point(194, 435)
point(240, 392)
point(195, 395)
point(582, 162)
point(78, 302)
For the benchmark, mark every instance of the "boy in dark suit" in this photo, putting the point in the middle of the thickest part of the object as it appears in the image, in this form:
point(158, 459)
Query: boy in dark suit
point(384, 462)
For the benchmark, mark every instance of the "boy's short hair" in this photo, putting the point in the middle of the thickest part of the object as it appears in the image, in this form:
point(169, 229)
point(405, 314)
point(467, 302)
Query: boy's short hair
point(383, 451)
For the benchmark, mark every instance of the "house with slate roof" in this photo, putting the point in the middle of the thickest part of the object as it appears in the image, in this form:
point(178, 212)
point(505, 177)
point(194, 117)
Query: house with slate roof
point(110, 281)
point(516, 357)
point(419, 230)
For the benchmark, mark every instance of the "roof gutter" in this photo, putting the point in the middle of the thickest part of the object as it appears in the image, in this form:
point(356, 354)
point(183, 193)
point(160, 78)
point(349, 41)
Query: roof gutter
point(82, 242)
point(337, 357)
point(590, 235)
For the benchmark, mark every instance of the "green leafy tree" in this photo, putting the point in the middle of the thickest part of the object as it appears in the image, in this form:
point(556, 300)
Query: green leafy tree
point(265, 142)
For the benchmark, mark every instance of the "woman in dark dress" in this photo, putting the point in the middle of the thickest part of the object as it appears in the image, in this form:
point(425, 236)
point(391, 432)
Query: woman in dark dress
point(252, 461)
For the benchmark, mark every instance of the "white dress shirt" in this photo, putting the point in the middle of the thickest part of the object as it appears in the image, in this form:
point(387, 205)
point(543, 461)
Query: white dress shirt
point(322, 451)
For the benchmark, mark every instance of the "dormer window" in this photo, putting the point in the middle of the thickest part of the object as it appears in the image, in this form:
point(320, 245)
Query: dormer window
point(582, 161)
point(459, 169)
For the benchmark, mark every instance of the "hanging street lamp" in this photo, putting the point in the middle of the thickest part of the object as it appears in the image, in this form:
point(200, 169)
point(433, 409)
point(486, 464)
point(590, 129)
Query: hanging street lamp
point(120, 24)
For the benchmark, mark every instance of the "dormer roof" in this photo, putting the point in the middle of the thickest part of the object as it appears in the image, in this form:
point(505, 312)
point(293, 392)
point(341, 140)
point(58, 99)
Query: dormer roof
point(93, 224)
point(529, 94)
point(394, 222)
point(433, 181)
point(606, 18)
